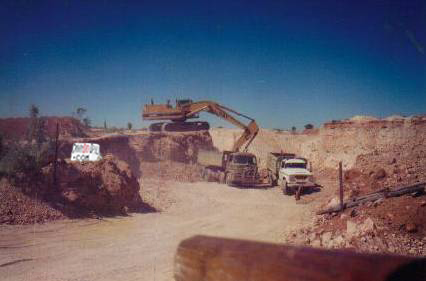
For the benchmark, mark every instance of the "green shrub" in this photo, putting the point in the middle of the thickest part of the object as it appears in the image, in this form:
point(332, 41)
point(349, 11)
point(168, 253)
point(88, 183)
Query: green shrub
point(26, 160)
point(1, 146)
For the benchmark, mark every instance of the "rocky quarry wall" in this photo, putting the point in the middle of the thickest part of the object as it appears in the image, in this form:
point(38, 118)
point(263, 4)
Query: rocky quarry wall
point(358, 143)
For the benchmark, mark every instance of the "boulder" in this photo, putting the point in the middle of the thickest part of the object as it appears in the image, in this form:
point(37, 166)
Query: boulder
point(367, 226)
point(351, 229)
point(379, 174)
point(326, 239)
point(411, 227)
point(354, 229)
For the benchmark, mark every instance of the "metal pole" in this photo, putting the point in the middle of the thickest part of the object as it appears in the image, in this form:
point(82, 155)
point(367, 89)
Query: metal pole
point(56, 155)
point(341, 185)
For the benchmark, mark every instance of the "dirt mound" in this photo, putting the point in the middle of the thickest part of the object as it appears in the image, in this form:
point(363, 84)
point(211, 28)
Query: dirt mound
point(17, 208)
point(106, 186)
point(117, 145)
point(400, 166)
point(17, 128)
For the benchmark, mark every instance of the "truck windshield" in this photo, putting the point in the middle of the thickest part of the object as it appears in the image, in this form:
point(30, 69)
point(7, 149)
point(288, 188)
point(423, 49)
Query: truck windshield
point(240, 159)
point(295, 165)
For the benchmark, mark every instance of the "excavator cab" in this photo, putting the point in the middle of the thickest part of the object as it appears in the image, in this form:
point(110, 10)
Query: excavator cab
point(181, 103)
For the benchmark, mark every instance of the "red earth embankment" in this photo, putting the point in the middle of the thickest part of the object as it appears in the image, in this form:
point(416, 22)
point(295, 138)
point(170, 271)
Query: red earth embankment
point(17, 128)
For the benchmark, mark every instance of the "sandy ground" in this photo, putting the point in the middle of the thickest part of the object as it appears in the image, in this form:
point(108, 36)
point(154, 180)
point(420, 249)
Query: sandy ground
point(142, 246)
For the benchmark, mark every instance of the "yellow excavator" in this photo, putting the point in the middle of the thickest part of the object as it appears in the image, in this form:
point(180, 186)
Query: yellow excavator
point(232, 167)
point(187, 109)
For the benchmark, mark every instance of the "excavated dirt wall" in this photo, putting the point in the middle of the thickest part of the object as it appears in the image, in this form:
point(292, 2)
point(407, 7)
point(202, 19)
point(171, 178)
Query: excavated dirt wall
point(354, 142)
point(143, 151)
point(117, 145)
point(17, 128)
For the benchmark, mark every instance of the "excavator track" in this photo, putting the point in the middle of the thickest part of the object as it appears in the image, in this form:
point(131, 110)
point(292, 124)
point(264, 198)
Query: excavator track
point(179, 127)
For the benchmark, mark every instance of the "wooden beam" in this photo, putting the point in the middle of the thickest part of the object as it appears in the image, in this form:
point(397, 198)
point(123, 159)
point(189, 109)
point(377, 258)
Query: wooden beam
point(203, 258)
point(342, 205)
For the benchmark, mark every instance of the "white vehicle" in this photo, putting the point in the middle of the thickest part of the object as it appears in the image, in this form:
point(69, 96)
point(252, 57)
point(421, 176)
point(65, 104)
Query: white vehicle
point(289, 172)
point(86, 152)
point(294, 174)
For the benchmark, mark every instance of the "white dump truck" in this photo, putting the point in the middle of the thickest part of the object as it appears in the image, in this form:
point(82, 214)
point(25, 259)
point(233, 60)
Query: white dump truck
point(289, 172)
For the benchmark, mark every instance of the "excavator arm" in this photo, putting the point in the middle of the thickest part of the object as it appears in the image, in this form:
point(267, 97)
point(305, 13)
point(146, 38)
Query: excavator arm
point(250, 130)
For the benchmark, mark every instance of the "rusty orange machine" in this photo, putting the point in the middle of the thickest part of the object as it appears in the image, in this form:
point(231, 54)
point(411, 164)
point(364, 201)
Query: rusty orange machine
point(188, 109)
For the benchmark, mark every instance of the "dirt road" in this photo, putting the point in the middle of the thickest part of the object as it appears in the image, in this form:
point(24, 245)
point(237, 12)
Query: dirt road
point(141, 246)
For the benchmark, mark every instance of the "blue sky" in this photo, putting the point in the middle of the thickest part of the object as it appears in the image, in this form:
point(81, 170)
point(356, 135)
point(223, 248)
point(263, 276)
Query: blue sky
point(281, 63)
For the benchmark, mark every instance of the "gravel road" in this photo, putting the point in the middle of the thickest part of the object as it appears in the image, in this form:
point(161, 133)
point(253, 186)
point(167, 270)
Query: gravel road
point(141, 246)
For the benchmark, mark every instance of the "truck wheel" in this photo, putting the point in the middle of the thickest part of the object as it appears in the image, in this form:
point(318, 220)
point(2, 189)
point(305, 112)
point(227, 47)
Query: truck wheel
point(272, 180)
point(222, 177)
point(227, 181)
point(286, 189)
point(298, 192)
point(208, 175)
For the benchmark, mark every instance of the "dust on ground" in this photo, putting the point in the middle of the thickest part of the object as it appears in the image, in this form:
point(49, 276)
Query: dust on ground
point(141, 246)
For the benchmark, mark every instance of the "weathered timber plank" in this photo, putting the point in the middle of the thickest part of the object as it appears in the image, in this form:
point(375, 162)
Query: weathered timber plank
point(203, 258)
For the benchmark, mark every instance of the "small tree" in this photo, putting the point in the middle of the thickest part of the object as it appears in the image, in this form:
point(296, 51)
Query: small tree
point(293, 129)
point(129, 125)
point(87, 122)
point(1, 146)
point(105, 125)
point(23, 162)
point(81, 111)
point(34, 111)
point(36, 130)
point(309, 126)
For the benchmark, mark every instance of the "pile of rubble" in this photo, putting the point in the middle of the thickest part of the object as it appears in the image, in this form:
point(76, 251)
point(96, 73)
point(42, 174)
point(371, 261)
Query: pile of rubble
point(120, 146)
point(18, 208)
point(396, 168)
point(104, 187)
point(394, 225)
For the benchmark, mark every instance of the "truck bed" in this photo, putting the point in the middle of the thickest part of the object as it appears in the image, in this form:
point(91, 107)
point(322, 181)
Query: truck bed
point(209, 158)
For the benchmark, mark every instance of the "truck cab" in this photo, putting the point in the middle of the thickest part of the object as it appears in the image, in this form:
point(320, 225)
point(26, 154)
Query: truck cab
point(294, 173)
point(240, 168)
